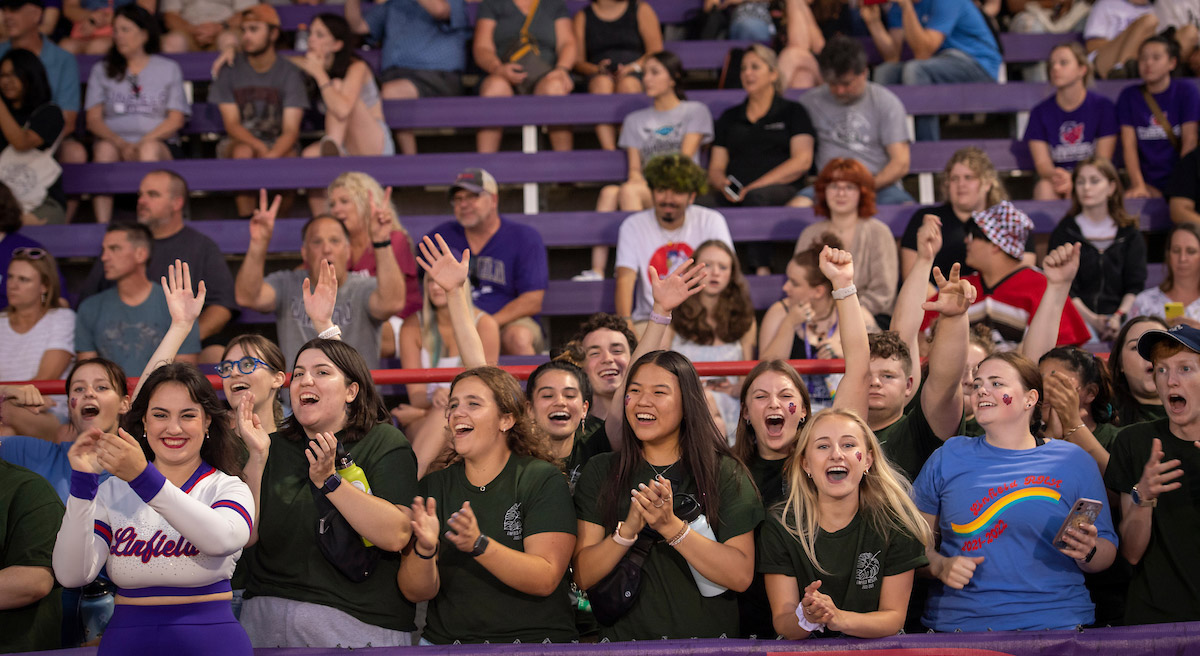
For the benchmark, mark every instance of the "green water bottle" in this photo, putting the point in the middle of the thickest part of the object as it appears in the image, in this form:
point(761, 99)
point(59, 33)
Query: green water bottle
point(352, 474)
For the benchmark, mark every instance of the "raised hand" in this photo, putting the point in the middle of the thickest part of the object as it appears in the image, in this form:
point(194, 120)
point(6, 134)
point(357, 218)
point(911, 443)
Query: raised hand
point(838, 267)
point(439, 262)
point(1064, 402)
point(121, 455)
point(380, 220)
point(320, 453)
point(319, 302)
point(83, 453)
point(954, 295)
point(184, 306)
point(425, 525)
point(669, 293)
point(250, 428)
point(929, 237)
point(464, 528)
point(1157, 476)
point(1061, 264)
point(262, 223)
point(957, 571)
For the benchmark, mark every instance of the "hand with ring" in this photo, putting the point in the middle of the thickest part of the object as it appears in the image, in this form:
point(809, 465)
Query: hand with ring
point(656, 508)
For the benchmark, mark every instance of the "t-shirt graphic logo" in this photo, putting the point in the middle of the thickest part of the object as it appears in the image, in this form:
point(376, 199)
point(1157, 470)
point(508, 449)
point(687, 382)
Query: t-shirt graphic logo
point(512, 522)
point(866, 570)
point(1070, 132)
point(665, 130)
point(668, 257)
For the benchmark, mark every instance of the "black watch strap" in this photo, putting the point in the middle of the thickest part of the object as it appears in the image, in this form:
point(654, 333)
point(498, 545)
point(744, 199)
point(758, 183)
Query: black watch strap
point(481, 545)
point(1091, 554)
point(331, 483)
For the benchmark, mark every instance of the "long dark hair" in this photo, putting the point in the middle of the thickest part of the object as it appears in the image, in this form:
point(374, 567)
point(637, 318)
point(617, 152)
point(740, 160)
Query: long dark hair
point(746, 443)
point(1091, 371)
point(35, 86)
point(340, 30)
point(701, 444)
point(581, 379)
point(365, 412)
point(116, 375)
point(674, 66)
point(1125, 403)
point(115, 64)
point(734, 310)
point(220, 447)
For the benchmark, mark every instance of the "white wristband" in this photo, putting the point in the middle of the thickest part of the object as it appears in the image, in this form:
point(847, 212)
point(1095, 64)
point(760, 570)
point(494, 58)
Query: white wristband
point(844, 292)
point(623, 541)
point(811, 627)
point(331, 332)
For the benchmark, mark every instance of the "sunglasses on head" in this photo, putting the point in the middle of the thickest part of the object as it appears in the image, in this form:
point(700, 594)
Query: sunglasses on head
point(30, 252)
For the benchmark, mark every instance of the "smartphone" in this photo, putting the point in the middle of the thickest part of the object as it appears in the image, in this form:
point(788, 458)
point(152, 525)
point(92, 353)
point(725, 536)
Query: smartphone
point(1085, 511)
point(1173, 310)
point(734, 188)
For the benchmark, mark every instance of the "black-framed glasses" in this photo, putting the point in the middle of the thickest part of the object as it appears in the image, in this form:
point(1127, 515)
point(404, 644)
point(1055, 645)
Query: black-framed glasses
point(246, 365)
point(31, 252)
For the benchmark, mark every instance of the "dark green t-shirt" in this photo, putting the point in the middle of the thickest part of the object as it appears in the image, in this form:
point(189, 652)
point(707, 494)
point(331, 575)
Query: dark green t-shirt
point(908, 442)
point(669, 604)
point(768, 476)
point(529, 496)
point(971, 428)
point(590, 440)
point(287, 561)
point(1166, 581)
point(857, 559)
point(1105, 434)
point(31, 513)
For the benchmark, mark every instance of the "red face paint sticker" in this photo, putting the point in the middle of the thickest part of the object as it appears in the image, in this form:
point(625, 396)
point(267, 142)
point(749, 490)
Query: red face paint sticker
point(792, 408)
point(74, 402)
point(858, 454)
point(1007, 399)
point(626, 399)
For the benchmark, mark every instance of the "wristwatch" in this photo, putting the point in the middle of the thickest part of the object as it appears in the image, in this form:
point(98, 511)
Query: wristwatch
point(1138, 500)
point(481, 545)
point(331, 483)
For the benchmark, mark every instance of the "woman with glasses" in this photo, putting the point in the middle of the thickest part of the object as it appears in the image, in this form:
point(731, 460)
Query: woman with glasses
point(135, 102)
point(845, 193)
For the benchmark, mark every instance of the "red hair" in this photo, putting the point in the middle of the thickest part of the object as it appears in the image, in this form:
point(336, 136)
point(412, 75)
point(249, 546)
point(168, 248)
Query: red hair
point(849, 170)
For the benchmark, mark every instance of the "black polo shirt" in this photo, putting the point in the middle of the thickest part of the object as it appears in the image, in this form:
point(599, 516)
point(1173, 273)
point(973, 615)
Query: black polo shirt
point(1185, 181)
point(755, 148)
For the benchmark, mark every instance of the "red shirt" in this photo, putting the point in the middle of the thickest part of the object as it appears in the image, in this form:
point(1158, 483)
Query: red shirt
point(403, 249)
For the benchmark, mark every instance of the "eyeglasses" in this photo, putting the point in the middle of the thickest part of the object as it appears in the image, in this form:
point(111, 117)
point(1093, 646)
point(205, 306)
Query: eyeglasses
point(30, 252)
point(246, 365)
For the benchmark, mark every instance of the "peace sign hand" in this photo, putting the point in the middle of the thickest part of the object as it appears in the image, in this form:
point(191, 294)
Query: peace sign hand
point(954, 295)
point(262, 223)
point(380, 221)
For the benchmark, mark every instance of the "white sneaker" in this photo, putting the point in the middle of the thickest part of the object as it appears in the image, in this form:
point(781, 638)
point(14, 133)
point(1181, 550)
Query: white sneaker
point(589, 275)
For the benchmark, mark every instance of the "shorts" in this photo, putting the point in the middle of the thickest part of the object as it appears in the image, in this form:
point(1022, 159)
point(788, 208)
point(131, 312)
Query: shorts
point(539, 336)
point(225, 147)
point(279, 622)
point(207, 627)
point(429, 83)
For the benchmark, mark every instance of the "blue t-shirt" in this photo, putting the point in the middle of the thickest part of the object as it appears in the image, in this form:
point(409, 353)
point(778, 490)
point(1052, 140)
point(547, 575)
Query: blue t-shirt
point(1072, 135)
point(412, 38)
point(1180, 103)
point(963, 26)
point(511, 263)
point(42, 458)
point(127, 334)
point(1007, 506)
point(61, 69)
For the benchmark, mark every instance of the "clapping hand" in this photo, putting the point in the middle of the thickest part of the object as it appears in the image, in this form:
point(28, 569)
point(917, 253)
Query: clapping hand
point(464, 528)
point(439, 262)
point(423, 518)
point(121, 455)
point(250, 428)
point(1063, 398)
point(818, 607)
point(320, 453)
point(954, 295)
point(184, 306)
point(83, 453)
point(669, 293)
point(654, 504)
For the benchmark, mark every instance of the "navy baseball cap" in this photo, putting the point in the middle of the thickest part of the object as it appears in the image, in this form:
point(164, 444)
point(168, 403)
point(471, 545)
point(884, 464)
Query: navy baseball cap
point(1186, 336)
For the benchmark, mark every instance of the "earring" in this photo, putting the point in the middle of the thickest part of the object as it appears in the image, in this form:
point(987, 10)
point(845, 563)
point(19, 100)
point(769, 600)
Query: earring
point(206, 435)
point(809, 474)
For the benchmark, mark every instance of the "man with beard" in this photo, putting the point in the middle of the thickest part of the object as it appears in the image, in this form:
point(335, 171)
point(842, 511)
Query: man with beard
point(261, 97)
point(665, 236)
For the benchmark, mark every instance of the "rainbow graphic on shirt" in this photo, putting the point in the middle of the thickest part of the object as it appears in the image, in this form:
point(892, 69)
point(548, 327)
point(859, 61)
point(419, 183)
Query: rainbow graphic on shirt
point(998, 507)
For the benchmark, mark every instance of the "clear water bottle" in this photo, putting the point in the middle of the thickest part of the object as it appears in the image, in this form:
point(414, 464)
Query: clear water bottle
point(302, 37)
point(707, 588)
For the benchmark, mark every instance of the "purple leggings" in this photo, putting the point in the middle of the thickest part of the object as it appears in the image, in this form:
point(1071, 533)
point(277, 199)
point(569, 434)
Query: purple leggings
point(180, 630)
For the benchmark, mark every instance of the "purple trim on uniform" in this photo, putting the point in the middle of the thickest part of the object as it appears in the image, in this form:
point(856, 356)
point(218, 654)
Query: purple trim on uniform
point(168, 591)
point(200, 474)
point(84, 485)
point(103, 530)
point(201, 627)
point(148, 483)
point(236, 507)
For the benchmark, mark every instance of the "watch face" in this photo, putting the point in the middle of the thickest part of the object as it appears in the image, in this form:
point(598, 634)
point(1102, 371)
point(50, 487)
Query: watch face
point(1137, 498)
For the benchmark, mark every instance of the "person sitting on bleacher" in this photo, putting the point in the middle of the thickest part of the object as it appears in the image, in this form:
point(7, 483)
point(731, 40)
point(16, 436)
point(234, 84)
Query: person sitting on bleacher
point(950, 40)
point(527, 49)
point(1070, 126)
point(665, 236)
point(262, 98)
point(1114, 31)
point(423, 49)
point(361, 304)
point(860, 119)
point(196, 25)
point(509, 274)
point(1184, 189)
point(135, 101)
point(125, 323)
point(1182, 282)
point(1151, 149)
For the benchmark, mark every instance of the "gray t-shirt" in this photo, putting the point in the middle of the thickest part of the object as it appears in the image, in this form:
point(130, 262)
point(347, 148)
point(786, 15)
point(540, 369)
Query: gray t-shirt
point(127, 334)
point(862, 130)
point(261, 97)
point(136, 104)
point(351, 314)
point(661, 133)
point(509, 20)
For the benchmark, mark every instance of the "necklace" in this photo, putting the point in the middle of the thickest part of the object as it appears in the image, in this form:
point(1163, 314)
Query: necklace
point(658, 473)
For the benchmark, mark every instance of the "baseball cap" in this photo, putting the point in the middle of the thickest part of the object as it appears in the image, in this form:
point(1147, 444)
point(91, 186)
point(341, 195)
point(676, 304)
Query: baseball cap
point(1187, 336)
point(1005, 226)
point(475, 180)
point(263, 14)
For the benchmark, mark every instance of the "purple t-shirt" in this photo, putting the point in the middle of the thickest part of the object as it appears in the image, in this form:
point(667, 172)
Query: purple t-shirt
point(1180, 103)
point(1072, 135)
point(511, 263)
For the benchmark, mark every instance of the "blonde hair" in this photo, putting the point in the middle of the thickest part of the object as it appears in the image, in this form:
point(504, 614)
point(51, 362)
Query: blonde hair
point(431, 338)
point(884, 493)
point(363, 189)
point(769, 58)
point(981, 165)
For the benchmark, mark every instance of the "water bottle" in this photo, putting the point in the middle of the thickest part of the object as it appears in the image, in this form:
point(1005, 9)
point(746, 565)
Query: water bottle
point(352, 474)
point(302, 37)
point(707, 588)
point(96, 603)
